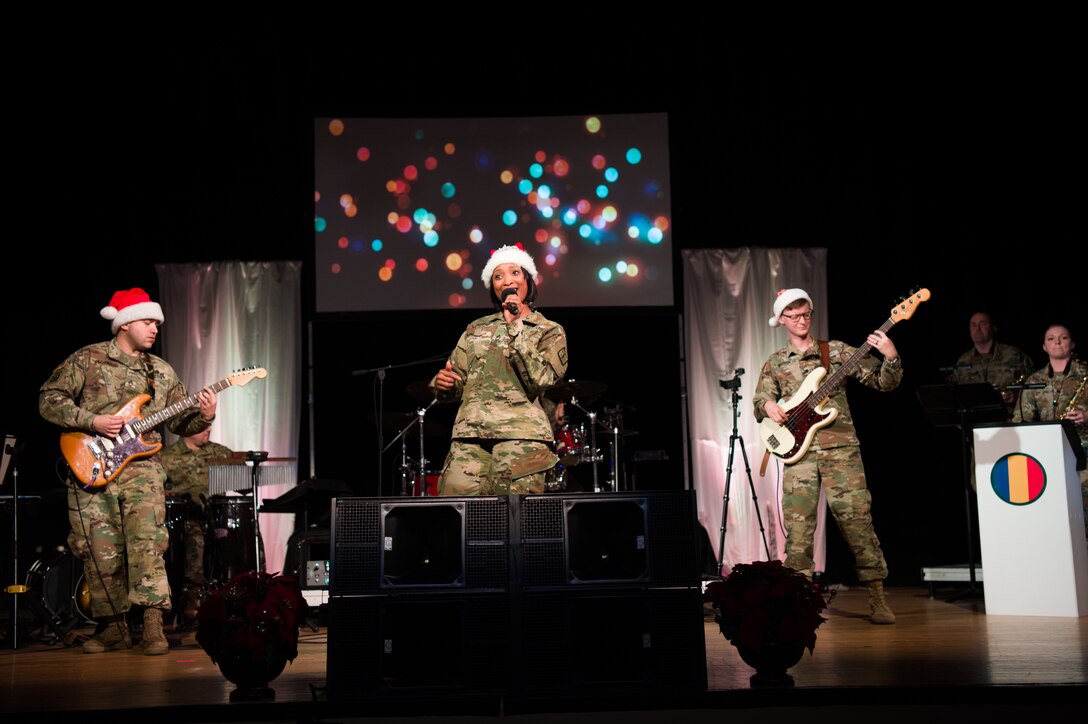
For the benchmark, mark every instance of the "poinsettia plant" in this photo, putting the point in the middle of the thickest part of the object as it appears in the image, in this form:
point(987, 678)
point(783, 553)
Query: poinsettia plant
point(766, 602)
point(255, 617)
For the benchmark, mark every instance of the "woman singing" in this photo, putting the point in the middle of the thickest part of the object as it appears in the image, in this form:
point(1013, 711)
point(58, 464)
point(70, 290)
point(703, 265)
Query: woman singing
point(501, 365)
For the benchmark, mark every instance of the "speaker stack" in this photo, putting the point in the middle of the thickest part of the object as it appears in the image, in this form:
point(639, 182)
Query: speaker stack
point(528, 595)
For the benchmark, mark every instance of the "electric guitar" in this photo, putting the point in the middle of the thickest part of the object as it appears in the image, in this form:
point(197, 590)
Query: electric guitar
point(804, 416)
point(96, 460)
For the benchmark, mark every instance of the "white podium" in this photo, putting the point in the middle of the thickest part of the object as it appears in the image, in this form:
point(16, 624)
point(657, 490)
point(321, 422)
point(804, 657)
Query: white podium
point(1031, 519)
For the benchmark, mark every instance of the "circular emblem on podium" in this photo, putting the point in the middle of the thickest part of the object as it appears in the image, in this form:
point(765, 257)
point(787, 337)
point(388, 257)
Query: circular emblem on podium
point(1018, 479)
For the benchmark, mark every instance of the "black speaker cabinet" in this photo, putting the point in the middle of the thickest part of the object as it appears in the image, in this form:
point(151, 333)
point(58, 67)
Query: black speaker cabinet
point(596, 641)
point(419, 545)
point(413, 645)
point(617, 540)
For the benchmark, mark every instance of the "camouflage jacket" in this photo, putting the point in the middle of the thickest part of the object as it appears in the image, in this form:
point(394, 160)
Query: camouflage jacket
point(1005, 365)
point(503, 369)
point(785, 371)
point(1050, 402)
point(188, 469)
point(99, 379)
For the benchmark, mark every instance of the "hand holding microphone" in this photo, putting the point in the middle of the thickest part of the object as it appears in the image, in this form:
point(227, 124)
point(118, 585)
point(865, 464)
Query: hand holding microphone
point(510, 301)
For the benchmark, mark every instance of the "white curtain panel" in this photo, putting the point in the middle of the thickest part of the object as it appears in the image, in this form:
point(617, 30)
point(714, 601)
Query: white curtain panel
point(226, 316)
point(728, 299)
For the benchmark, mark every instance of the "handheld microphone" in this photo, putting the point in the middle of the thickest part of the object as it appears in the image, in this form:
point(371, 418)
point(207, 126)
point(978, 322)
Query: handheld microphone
point(511, 306)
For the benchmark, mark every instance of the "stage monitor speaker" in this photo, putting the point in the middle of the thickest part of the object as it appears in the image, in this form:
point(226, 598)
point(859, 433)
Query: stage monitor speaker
point(617, 540)
point(412, 645)
point(419, 545)
point(596, 641)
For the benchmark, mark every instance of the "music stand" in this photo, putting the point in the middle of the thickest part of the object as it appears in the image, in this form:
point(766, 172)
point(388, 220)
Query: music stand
point(963, 406)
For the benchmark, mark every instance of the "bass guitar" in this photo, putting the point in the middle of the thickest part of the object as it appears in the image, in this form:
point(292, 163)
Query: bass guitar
point(96, 460)
point(804, 415)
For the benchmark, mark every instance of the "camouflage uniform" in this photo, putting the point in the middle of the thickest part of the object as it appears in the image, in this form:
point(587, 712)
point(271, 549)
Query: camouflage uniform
point(122, 523)
point(833, 459)
point(502, 436)
point(187, 470)
point(1004, 366)
point(1050, 402)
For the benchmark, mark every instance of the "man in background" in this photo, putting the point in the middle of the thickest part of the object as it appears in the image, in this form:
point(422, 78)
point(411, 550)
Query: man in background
point(186, 463)
point(991, 361)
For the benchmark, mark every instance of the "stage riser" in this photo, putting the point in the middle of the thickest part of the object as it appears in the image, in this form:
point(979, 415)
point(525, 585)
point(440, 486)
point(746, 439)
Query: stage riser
point(566, 644)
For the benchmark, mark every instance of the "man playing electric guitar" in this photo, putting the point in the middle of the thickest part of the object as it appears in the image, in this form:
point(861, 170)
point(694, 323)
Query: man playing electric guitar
point(118, 530)
point(833, 457)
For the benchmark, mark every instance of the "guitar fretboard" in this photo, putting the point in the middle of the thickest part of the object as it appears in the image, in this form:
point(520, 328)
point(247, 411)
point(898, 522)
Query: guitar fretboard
point(833, 381)
point(146, 423)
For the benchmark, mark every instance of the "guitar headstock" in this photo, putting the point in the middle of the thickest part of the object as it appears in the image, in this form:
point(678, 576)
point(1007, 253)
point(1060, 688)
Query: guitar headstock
point(242, 377)
point(906, 307)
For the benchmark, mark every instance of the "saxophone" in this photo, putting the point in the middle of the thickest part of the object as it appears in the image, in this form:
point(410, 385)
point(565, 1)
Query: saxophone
point(1076, 395)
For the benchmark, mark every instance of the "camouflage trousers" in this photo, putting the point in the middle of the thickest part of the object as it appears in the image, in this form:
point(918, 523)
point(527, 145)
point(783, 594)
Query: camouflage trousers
point(495, 467)
point(194, 554)
point(842, 475)
point(120, 535)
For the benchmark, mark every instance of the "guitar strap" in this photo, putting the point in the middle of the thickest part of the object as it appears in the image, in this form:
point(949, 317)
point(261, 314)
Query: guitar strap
point(149, 370)
point(825, 360)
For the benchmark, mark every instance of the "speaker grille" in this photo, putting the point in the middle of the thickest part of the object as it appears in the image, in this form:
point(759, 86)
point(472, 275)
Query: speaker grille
point(608, 539)
point(419, 545)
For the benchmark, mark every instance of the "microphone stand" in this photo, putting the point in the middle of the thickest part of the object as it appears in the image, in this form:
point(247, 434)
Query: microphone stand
point(382, 447)
point(256, 458)
point(734, 385)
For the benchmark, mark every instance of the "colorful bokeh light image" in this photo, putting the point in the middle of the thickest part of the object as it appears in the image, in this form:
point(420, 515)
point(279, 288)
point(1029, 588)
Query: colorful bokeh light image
point(586, 196)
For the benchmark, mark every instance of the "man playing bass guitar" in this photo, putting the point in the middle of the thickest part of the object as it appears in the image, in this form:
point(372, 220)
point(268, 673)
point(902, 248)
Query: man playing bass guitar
point(833, 456)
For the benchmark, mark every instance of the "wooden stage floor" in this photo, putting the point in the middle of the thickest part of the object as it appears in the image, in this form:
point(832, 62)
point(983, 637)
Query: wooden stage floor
point(942, 660)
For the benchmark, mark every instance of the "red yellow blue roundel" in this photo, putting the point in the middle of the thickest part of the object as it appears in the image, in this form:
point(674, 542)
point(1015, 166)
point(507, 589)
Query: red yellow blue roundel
point(1018, 479)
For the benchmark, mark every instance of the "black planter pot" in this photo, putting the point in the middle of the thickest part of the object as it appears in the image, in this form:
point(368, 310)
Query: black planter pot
point(772, 662)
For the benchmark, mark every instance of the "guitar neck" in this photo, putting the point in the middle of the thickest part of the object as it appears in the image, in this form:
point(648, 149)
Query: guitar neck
point(833, 381)
point(170, 411)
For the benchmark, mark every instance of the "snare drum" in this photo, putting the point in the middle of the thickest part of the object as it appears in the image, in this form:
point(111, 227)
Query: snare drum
point(229, 541)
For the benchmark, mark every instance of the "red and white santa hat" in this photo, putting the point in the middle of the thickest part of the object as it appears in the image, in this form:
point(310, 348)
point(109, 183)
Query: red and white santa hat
point(785, 298)
point(130, 305)
point(515, 254)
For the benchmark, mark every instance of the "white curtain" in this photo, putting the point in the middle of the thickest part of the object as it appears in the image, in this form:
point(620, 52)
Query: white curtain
point(222, 317)
point(728, 300)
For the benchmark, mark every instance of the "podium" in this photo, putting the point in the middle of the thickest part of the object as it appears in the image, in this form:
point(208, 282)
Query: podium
point(1031, 519)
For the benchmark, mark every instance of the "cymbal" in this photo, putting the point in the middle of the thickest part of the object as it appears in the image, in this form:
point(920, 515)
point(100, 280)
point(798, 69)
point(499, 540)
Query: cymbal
point(567, 389)
point(420, 390)
point(397, 421)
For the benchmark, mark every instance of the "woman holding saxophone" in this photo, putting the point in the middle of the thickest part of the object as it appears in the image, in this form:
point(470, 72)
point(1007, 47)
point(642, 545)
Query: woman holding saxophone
point(1064, 394)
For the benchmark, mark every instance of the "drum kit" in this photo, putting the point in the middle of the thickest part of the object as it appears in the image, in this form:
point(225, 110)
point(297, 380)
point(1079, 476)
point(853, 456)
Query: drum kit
point(578, 430)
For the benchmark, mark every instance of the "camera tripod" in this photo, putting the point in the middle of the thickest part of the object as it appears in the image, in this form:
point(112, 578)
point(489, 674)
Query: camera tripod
point(734, 438)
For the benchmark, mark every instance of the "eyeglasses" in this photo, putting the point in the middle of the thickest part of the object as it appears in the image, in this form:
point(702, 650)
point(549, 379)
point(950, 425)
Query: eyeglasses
point(799, 315)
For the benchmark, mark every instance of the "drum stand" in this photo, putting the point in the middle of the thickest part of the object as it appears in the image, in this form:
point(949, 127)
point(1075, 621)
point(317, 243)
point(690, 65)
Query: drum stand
point(594, 457)
point(734, 438)
point(405, 488)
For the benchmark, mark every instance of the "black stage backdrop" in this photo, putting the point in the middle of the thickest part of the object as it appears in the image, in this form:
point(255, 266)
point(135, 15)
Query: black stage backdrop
point(953, 170)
